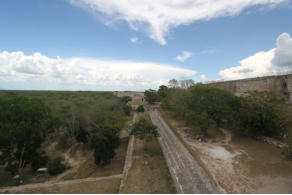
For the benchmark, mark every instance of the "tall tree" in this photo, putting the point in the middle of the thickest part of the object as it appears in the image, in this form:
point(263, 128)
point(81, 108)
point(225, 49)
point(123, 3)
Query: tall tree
point(104, 141)
point(151, 96)
point(173, 83)
point(162, 91)
point(144, 130)
point(24, 124)
point(104, 138)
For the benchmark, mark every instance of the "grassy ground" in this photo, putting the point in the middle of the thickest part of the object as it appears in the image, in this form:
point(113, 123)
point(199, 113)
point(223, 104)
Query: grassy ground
point(153, 177)
point(94, 187)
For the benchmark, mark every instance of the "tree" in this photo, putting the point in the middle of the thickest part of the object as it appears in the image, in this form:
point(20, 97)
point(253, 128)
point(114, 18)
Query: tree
point(140, 108)
point(81, 135)
point(126, 99)
point(162, 91)
point(151, 96)
point(189, 83)
point(23, 128)
point(263, 113)
point(183, 84)
point(104, 142)
point(200, 123)
point(144, 130)
point(127, 109)
point(173, 83)
point(104, 138)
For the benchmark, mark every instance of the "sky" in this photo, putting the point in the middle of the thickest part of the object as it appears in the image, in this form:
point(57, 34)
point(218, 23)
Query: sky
point(116, 45)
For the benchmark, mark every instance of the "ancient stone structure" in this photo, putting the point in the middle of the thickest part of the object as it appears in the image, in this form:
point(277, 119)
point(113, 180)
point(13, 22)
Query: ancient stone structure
point(281, 84)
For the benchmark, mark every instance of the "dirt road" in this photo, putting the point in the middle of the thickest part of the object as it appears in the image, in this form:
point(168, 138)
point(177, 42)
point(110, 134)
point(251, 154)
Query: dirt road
point(15, 189)
point(188, 175)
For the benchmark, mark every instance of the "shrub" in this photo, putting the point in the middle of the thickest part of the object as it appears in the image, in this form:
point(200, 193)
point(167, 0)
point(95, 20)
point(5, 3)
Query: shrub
point(162, 91)
point(151, 96)
point(81, 135)
point(127, 110)
point(55, 166)
point(140, 108)
point(200, 123)
point(39, 160)
point(255, 114)
point(287, 152)
point(80, 132)
point(126, 99)
point(104, 143)
point(219, 105)
point(144, 130)
point(264, 114)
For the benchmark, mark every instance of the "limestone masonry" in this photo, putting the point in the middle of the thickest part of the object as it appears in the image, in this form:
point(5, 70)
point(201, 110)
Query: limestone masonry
point(281, 84)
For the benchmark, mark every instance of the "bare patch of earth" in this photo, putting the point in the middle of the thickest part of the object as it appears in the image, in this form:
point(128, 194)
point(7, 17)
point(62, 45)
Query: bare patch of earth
point(239, 164)
point(106, 186)
point(149, 173)
point(87, 167)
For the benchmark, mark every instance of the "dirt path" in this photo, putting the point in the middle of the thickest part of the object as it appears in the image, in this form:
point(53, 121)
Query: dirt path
point(128, 160)
point(15, 189)
point(188, 175)
point(128, 163)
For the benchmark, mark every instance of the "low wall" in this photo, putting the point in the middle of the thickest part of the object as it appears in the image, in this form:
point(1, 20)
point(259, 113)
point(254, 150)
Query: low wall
point(281, 84)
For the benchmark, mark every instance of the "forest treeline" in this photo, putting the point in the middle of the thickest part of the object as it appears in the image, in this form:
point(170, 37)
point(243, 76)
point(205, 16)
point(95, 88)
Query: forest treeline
point(31, 120)
point(206, 109)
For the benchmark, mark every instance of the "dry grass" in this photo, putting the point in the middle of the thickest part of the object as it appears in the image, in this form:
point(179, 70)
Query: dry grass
point(151, 178)
point(89, 187)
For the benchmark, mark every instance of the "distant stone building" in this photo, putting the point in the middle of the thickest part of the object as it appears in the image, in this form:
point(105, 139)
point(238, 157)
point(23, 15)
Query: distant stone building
point(281, 84)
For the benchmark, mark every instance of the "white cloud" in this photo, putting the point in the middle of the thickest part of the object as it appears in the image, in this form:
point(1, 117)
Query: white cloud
point(91, 73)
point(283, 52)
point(203, 52)
point(264, 62)
point(253, 66)
point(185, 55)
point(203, 77)
point(157, 17)
point(134, 39)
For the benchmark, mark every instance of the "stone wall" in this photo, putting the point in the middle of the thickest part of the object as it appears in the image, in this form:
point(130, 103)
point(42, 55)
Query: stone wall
point(281, 84)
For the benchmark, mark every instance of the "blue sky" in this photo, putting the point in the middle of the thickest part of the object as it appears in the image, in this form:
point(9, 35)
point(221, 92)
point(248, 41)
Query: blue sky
point(86, 44)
